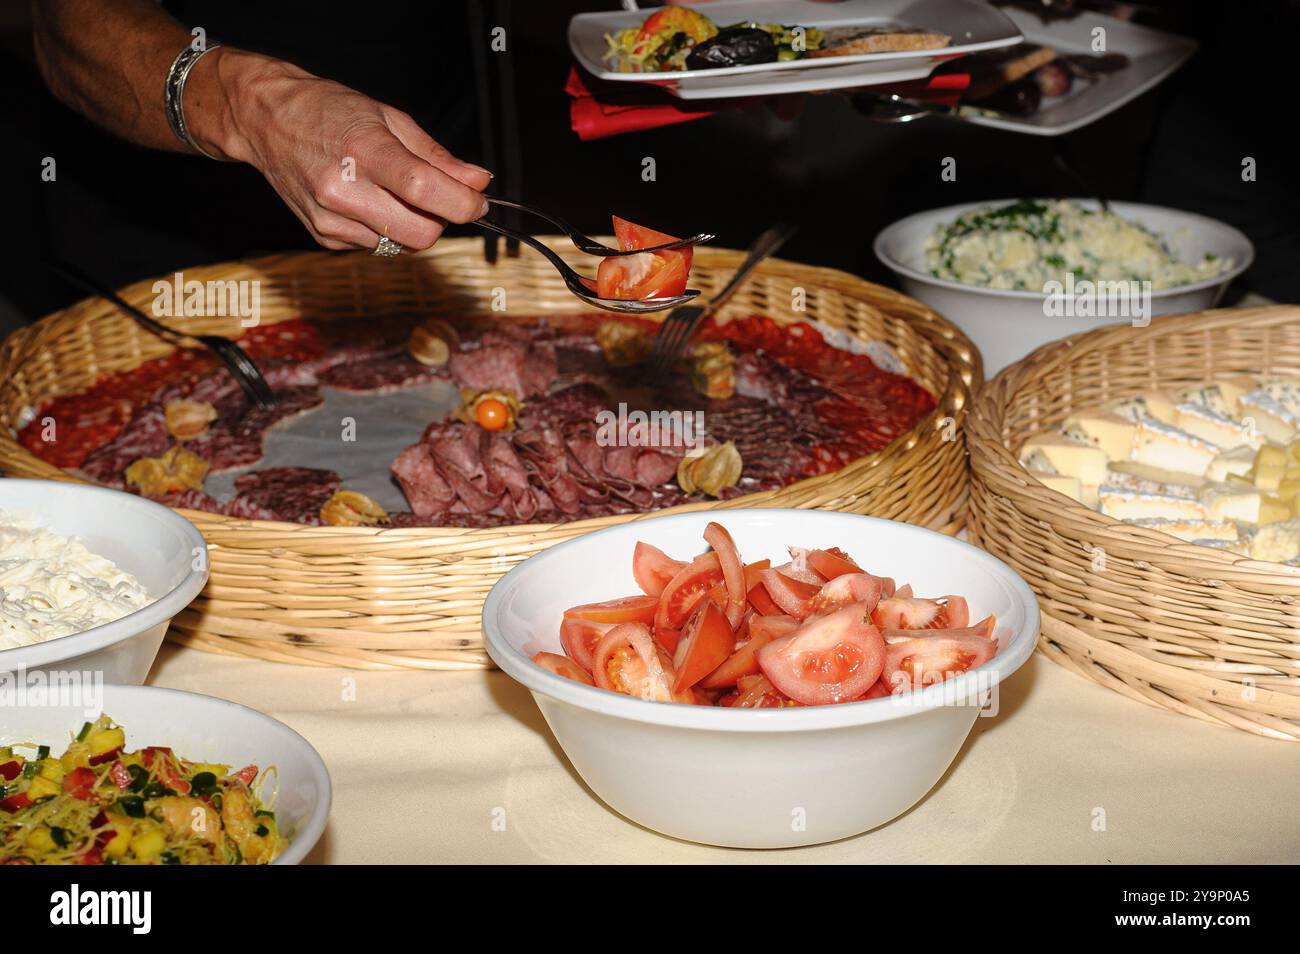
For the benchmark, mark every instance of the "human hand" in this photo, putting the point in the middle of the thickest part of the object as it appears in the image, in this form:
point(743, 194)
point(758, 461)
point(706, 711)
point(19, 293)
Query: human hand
point(351, 168)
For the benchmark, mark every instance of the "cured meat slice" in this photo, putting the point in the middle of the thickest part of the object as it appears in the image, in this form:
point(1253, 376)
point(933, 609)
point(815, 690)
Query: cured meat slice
point(294, 494)
point(378, 374)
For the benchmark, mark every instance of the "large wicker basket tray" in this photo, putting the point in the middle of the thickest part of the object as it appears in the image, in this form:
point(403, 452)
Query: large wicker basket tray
point(411, 598)
point(1200, 631)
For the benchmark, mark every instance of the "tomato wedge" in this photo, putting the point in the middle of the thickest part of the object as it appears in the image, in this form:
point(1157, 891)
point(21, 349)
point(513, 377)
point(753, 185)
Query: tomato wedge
point(897, 612)
point(649, 275)
point(845, 590)
point(706, 643)
point(761, 602)
point(832, 658)
point(744, 661)
point(628, 661)
point(80, 783)
point(733, 571)
point(915, 660)
point(579, 638)
point(757, 692)
point(563, 666)
point(685, 590)
point(626, 609)
point(832, 563)
point(653, 569)
point(794, 597)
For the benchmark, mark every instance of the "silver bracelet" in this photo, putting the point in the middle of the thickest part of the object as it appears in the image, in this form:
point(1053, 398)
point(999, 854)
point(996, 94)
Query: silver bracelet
point(174, 89)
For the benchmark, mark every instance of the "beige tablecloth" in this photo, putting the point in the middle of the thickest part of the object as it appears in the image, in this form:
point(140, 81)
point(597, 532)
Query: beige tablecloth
point(427, 767)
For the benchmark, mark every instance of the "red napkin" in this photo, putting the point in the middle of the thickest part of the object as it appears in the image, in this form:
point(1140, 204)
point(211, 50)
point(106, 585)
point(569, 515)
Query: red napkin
point(601, 108)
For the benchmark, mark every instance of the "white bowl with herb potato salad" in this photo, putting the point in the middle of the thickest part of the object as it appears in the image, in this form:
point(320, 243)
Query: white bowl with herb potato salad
point(1015, 274)
point(90, 578)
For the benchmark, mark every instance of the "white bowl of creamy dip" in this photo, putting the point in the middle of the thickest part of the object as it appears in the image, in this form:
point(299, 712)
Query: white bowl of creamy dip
point(986, 267)
point(90, 579)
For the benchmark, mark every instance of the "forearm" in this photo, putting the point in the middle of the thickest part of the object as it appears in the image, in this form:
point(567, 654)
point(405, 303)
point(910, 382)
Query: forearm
point(109, 60)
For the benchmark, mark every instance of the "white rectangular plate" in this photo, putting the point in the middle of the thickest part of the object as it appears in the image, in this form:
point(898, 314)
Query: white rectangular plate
point(972, 25)
point(1153, 55)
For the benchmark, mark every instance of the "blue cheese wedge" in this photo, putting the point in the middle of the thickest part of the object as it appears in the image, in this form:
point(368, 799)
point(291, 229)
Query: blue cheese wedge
point(1285, 391)
point(1276, 542)
point(1191, 530)
point(1268, 417)
point(1057, 454)
point(1220, 396)
point(1149, 406)
point(1138, 505)
point(1236, 462)
point(1170, 448)
point(1231, 502)
point(1104, 429)
point(1149, 480)
point(1215, 428)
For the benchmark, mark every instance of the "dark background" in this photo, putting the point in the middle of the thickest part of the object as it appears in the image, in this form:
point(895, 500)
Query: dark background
point(126, 213)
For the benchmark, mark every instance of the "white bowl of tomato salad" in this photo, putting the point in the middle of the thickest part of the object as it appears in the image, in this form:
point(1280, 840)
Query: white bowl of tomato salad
point(793, 678)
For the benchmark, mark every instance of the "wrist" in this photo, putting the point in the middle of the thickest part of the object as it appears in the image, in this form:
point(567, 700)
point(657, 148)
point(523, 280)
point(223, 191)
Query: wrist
point(216, 92)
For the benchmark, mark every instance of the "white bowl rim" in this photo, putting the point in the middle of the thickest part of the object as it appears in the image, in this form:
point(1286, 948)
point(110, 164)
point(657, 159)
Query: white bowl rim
point(163, 608)
point(314, 825)
point(965, 686)
point(887, 233)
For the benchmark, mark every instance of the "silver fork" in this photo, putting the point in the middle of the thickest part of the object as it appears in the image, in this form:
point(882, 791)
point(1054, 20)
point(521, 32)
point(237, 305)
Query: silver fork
point(579, 285)
point(234, 357)
point(678, 327)
point(584, 243)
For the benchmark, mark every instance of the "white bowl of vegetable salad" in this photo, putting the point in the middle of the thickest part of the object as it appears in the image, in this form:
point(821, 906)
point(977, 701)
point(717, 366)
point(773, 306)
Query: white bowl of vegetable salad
point(90, 578)
point(1017, 274)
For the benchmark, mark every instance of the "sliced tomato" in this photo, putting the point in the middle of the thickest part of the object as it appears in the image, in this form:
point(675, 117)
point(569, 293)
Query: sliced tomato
point(563, 666)
point(653, 569)
point(794, 597)
point(579, 638)
point(951, 612)
point(685, 590)
point(845, 590)
point(706, 643)
point(917, 659)
point(832, 563)
point(831, 658)
point(120, 775)
point(798, 568)
point(628, 661)
point(15, 803)
point(879, 689)
point(11, 770)
point(762, 603)
point(904, 592)
point(80, 783)
point(650, 275)
point(757, 692)
point(744, 661)
point(627, 609)
point(733, 571)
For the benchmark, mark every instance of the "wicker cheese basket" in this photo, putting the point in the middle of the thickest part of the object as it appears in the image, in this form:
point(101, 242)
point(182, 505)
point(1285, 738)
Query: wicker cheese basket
point(1200, 631)
point(411, 598)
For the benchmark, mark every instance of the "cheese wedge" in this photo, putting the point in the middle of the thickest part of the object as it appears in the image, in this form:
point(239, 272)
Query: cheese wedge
point(1215, 428)
point(1057, 454)
point(1268, 417)
point(1169, 448)
point(1190, 530)
point(1277, 542)
point(1061, 483)
point(1122, 473)
point(1285, 391)
point(1237, 461)
point(1135, 505)
point(1220, 396)
point(1231, 502)
point(1148, 406)
point(1104, 429)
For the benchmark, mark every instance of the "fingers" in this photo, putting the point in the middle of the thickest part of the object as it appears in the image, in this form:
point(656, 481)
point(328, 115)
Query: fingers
point(421, 144)
point(378, 212)
point(423, 186)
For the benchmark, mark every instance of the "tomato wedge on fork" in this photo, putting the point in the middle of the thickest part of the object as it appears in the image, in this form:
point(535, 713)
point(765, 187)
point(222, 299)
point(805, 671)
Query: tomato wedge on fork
point(648, 275)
